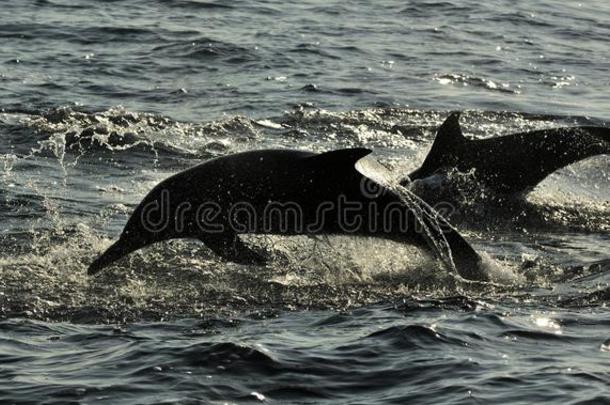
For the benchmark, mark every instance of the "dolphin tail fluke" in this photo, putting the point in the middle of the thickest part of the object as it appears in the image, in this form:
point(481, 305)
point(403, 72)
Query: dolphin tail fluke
point(457, 253)
point(443, 240)
point(467, 261)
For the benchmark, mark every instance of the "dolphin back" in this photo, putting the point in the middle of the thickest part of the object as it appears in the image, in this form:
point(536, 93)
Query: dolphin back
point(511, 164)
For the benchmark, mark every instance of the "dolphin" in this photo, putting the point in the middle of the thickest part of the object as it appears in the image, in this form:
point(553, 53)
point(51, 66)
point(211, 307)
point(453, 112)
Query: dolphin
point(511, 164)
point(284, 192)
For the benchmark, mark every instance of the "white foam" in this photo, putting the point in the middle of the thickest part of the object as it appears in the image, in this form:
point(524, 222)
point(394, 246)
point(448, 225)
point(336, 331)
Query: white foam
point(499, 272)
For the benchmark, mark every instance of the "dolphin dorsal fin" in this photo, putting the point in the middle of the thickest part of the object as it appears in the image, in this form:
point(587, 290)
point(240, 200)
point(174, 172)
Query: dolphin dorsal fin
point(449, 140)
point(449, 133)
point(449, 137)
point(343, 157)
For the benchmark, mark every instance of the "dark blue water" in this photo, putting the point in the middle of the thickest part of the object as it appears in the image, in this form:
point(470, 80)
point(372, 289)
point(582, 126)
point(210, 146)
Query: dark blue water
point(101, 100)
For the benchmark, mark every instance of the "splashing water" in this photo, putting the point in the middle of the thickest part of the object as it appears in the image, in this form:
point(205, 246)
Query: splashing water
point(427, 218)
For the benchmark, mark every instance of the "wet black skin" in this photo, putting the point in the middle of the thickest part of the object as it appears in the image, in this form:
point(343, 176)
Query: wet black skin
point(313, 182)
point(512, 164)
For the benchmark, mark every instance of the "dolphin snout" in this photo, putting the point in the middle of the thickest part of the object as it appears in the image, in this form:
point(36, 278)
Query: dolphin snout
point(112, 254)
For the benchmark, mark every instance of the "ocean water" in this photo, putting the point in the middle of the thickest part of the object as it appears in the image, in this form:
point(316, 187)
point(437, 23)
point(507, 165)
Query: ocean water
point(99, 101)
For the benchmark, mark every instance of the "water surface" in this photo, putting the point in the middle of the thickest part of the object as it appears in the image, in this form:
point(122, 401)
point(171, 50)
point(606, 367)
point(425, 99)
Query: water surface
point(101, 100)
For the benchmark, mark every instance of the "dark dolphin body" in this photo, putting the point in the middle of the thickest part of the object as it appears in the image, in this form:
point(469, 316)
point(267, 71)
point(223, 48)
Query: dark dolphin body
point(263, 191)
point(512, 164)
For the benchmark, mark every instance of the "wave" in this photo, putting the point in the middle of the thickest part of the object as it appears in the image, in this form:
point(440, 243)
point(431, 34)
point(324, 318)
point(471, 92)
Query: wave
point(469, 80)
point(65, 130)
point(196, 4)
point(206, 48)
